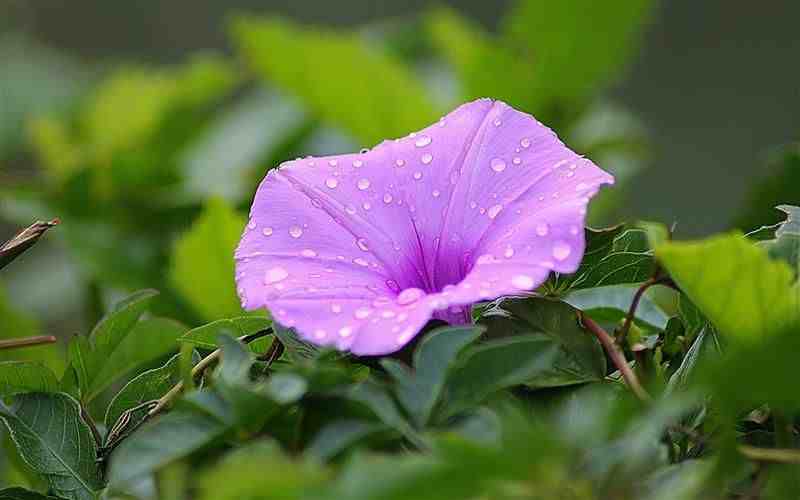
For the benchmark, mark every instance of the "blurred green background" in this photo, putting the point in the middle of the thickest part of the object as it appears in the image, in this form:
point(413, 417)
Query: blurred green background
point(146, 125)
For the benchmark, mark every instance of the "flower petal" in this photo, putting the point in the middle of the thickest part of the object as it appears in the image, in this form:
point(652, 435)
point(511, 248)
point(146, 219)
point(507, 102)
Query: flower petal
point(359, 251)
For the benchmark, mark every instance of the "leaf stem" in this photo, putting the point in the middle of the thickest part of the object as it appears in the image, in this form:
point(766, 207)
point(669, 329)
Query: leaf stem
point(771, 455)
point(198, 369)
point(616, 356)
point(637, 297)
point(27, 341)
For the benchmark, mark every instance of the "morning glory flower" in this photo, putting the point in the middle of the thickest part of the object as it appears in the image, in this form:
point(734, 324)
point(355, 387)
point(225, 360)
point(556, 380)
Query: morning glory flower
point(358, 251)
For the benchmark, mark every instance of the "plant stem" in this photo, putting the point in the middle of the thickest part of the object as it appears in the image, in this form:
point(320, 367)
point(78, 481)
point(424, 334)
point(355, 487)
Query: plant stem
point(27, 341)
point(771, 455)
point(655, 280)
point(23, 240)
point(92, 426)
point(616, 356)
point(198, 369)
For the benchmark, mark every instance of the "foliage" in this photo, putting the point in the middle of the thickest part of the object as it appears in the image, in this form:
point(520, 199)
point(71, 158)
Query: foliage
point(177, 393)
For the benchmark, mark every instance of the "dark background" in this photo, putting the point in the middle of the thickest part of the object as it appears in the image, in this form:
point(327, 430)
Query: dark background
point(717, 82)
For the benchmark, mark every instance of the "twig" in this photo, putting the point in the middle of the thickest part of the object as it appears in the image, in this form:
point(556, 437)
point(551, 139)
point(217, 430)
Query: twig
point(92, 426)
point(27, 341)
point(616, 356)
point(23, 240)
point(771, 455)
point(637, 297)
point(199, 368)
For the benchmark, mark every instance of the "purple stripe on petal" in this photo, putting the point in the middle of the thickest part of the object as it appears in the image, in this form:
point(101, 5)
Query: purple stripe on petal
point(359, 251)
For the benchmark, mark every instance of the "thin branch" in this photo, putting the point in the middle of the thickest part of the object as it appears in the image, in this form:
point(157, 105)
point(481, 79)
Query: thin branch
point(198, 369)
point(616, 356)
point(27, 341)
point(23, 240)
point(771, 455)
point(637, 297)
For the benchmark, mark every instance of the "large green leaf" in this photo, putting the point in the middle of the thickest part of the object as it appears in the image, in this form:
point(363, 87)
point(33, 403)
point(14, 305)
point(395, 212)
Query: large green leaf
point(207, 336)
point(338, 76)
point(91, 368)
point(611, 303)
point(574, 47)
point(579, 356)
point(17, 493)
point(202, 265)
point(419, 391)
point(53, 439)
point(744, 293)
point(25, 376)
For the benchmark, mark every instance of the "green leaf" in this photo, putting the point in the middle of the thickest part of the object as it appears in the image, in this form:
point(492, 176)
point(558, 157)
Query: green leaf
point(381, 404)
point(54, 440)
point(419, 391)
point(574, 47)
point(25, 376)
point(704, 345)
point(611, 304)
point(23, 494)
point(296, 348)
point(744, 293)
point(579, 356)
point(206, 336)
point(786, 244)
point(202, 265)
point(339, 435)
point(286, 54)
point(91, 369)
point(147, 386)
point(259, 470)
point(171, 437)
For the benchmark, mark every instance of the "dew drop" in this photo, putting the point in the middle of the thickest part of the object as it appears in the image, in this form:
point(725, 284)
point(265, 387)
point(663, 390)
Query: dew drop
point(497, 122)
point(573, 230)
point(400, 162)
point(561, 250)
point(426, 158)
point(405, 336)
point(362, 312)
point(525, 143)
point(295, 232)
point(417, 175)
point(333, 163)
point(331, 182)
point(498, 165)
point(517, 160)
point(508, 253)
point(522, 281)
point(350, 209)
point(267, 231)
point(362, 244)
point(494, 211)
point(251, 225)
point(336, 308)
point(345, 331)
point(570, 174)
point(363, 184)
point(387, 198)
point(388, 314)
point(473, 205)
point(423, 141)
point(360, 262)
point(308, 253)
point(581, 186)
point(358, 163)
point(436, 193)
point(319, 334)
point(366, 205)
point(542, 229)
point(275, 275)
point(409, 296)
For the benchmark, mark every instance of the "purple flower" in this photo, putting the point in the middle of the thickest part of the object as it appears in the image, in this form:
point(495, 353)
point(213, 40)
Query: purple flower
point(359, 251)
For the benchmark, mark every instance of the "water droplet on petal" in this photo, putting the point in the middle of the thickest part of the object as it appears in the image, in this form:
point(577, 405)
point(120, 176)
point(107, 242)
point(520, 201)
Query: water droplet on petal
point(573, 230)
point(581, 186)
point(405, 336)
point(409, 296)
point(308, 253)
point(267, 231)
point(473, 205)
point(362, 312)
point(426, 158)
point(345, 331)
point(522, 281)
point(517, 160)
point(333, 163)
point(387, 198)
point(336, 308)
point(295, 232)
point(436, 193)
point(400, 162)
point(275, 275)
point(366, 205)
point(388, 314)
point(358, 163)
point(363, 184)
point(360, 261)
point(525, 143)
point(251, 225)
point(331, 182)
point(417, 175)
point(497, 122)
point(561, 250)
point(508, 253)
point(350, 209)
point(498, 165)
point(542, 229)
point(423, 141)
point(319, 334)
point(362, 244)
point(570, 174)
point(494, 210)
